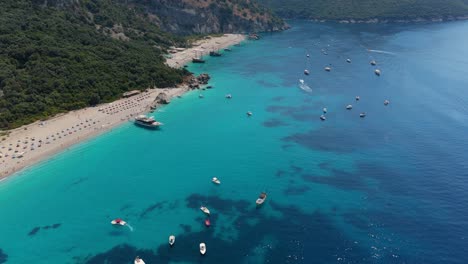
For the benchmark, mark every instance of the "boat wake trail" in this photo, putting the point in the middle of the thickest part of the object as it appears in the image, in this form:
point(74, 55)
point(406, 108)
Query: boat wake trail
point(129, 227)
point(304, 86)
point(381, 51)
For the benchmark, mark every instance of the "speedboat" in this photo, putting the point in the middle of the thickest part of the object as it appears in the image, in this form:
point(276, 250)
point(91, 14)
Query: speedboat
point(215, 180)
point(306, 72)
point(308, 55)
point(377, 72)
point(386, 102)
point(358, 98)
point(327, 69)
point(171, 240)
point(207, 222)
point(349, 107)
point(205, 210)
point(118, 221)
point(325, 110)
point(138, 260)
point(348, 60)
point(202, 248)
point(249, 113)
point(227, 49)
point(323, 118)
point(200, 96)
point(373, 62)
point(261, 198)
point(228, 96)
point(363, 114)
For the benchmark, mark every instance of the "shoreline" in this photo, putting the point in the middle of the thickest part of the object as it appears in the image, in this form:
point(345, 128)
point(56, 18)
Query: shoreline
point(388, 20)
point(43, 139)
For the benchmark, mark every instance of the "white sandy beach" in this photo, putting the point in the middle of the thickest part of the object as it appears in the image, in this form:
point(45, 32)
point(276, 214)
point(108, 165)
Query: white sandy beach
point(40, 140)
point(202, 48)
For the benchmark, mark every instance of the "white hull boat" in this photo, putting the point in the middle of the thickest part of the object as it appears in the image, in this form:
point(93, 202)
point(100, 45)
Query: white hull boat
point(139, 261)
point(202, 248)
point(215, 180)
point(118, 222)
point(205, 210)
point(171, 240)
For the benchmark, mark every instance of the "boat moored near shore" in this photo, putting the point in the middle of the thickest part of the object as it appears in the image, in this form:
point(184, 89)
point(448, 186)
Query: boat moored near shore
point(149, 122)
point(171, 240)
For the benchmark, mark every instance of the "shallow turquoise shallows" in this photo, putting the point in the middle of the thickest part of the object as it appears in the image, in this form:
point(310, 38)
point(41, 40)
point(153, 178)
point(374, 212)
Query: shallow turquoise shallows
point(390, 187)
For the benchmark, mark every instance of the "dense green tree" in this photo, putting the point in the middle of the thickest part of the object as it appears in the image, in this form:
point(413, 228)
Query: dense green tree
point(61, 56)
point(368, 9)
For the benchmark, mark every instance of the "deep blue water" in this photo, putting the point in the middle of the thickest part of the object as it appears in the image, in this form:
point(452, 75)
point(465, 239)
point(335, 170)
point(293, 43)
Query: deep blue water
point(387, 188)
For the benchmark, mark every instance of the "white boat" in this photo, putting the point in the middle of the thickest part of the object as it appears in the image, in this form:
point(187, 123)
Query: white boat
point(228, 96)
point(200, 96)
point(377, 72)
point(323, 118)
point(363, 114)
point(261, 198)
point(373, 62)
point(304, 86)
point(348, 60)
point(171, 240)
point(143, 120)
point(386, 102)
point(328, 69)
point(205, 210)
point(138, 260)
point(249, 113)
point(349, 107)
point(325, 110)
point(202, 248)
point(358, 98)
point(306, 72)
point(215, 180)
point(118, 221)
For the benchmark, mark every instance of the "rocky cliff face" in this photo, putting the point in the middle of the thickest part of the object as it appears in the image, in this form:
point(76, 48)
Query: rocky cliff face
point(186, 17)
point(209, 16)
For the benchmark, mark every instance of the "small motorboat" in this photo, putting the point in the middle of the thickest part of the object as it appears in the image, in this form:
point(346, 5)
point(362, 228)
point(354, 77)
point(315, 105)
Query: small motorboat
point(348, 60)
point(215, 180)
point(261, 198)
point(207, 222)
point(201, 96)
point(323, 118)
point(118, 221)
point(373, 62)
point(202, 248)
point(205, 210)
point(306, 72)
point(171, 240)
point(362, 115)
point(349, 107)
point(249, 113)
point(138, 260)
point(377, 72)
point(228, 96)
point(386, 102)
point(325, 110)
point(227, 49)
point(358, 98)
point(327, 69)
point(308, 55)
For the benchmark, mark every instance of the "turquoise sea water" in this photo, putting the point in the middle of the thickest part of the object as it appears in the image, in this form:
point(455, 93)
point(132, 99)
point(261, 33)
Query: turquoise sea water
point(387, 188)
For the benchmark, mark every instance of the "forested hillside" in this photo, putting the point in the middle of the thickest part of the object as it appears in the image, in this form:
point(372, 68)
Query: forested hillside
point(369, 9)
point(60, 55)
